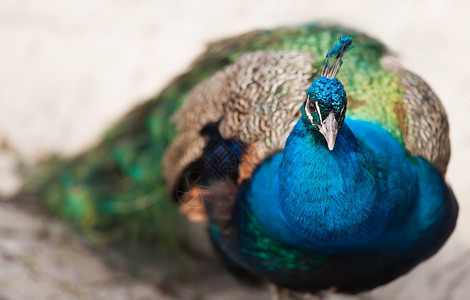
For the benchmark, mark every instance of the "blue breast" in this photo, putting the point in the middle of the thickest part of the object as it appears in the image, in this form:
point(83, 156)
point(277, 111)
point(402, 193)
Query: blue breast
point(365, 193)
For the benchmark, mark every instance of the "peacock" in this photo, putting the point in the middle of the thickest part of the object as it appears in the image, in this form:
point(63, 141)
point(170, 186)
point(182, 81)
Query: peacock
point(316, 160)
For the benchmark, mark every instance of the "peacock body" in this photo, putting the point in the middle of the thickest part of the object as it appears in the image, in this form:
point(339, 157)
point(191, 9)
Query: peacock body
point(307, 181)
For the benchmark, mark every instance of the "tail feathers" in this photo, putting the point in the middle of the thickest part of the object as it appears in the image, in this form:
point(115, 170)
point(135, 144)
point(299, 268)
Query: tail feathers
point(108, 200)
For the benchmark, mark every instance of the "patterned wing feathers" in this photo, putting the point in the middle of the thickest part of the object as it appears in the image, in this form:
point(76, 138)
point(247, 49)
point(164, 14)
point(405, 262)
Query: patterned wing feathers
point(425, 130)
point(255, 100)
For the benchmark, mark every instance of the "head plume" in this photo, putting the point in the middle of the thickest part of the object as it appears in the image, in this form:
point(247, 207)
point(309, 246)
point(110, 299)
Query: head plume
point(334, 57)
point(325, 106)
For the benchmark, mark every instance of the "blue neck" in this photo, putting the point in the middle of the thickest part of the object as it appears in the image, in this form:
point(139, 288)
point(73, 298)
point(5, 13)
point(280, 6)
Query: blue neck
point(338, 198)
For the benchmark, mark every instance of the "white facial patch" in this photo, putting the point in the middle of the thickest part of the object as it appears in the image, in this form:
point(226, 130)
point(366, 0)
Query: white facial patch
point(309, 115)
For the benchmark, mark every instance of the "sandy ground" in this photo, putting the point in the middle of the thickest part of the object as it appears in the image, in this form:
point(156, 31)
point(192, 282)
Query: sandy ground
point(68, 69)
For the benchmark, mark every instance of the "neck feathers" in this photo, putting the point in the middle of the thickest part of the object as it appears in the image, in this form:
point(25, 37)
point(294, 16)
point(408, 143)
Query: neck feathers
point(334, 197)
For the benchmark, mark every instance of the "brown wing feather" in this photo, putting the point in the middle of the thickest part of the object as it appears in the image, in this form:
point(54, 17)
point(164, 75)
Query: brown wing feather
point(256, 99)
point(427, 129)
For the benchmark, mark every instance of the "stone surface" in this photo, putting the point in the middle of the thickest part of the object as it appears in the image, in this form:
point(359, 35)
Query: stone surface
point(68, 69)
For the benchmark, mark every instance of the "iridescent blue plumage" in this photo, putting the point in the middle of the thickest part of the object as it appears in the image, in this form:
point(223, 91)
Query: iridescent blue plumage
point(351, 218)
point(342, 205)
point(346, 200)
point(338, 49)
point(330, 95)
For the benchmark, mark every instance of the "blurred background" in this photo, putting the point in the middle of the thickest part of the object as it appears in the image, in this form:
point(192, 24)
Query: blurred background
point(69, 69)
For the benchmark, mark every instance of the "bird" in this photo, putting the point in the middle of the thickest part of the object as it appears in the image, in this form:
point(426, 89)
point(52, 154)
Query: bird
point(315, 159)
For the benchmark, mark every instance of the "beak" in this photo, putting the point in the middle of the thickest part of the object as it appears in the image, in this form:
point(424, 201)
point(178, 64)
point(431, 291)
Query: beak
point(329, 129)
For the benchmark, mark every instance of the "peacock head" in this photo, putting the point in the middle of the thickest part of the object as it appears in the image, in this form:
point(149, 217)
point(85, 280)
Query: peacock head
point(326, 103)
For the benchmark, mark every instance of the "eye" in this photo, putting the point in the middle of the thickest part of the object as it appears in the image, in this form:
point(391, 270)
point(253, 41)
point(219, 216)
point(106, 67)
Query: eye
point(311, 107)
